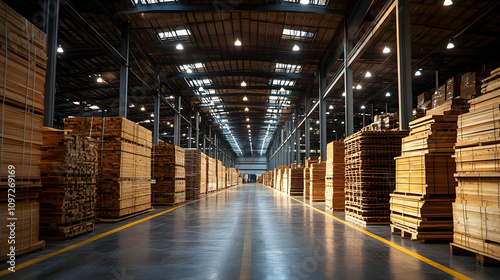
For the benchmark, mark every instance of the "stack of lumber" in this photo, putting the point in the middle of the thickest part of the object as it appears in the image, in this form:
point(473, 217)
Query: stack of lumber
point(317, 173)
point(370, 174)
point(124, 164)
point(196, 173)
point(421, 204)
point(476, 212)
point(23, 60)
point(228, 177)
point(335, 176)
point(168, 184)
point(67, 200)
point(296, 180)
point(307, 182)
point(234, 177)
point(286, 180)
point(280, 175)
point(221, 176)
point(211, 175)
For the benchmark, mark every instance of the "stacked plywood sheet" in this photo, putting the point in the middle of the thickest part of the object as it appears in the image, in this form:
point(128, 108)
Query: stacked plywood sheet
point(307, 182)
point(22, 78)
point(124, 164)
point(370, 174)
point(168, 184)
point(421, 204)
point(211, 175)
point(296, 180)
point(335, 176)
point(67, 200)
point(286, 180)
point(221, 175)
point(476, 212)
point(234, 177)
point(317, 173)
point(196, 173)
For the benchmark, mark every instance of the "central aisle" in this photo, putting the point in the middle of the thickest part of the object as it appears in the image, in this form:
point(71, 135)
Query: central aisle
point(248, 232)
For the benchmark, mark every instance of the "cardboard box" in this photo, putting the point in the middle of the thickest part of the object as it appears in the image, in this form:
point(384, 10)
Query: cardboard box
point(470, 85)
point(452, 88)
point(439, 96)
point(424, 97)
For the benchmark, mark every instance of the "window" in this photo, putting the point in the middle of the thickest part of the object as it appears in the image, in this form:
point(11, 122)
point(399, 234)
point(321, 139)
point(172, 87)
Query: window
point(280, 82)
point(192, 67)
point(295, 34)
point(277, 91)
point(311, 2)
point(198, 82)
point(149, 2)
point(179, 33)
point(287, 68)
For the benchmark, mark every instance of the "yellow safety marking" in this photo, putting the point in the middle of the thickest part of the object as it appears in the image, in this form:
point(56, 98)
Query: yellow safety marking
point(400, 248)
point(48, 256)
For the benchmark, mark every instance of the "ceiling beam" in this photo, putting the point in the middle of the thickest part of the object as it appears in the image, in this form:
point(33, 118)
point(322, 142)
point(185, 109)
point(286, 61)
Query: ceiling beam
point(233, 74)
point(179, 7)
point(215, 56)
point(246, 104)
point(248, 94)
point(227, 87)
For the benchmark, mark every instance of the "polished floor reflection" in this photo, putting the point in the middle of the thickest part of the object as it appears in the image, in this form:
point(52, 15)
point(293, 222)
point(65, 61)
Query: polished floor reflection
point(248, 232)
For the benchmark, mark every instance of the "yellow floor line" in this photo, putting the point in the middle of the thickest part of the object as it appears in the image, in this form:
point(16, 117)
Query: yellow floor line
point(400, 248)
point(37, 260)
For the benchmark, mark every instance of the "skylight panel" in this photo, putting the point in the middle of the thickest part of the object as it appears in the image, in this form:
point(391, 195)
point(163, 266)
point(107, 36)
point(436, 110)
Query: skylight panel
point(311, 2)
point(284, 92)
point(287, 68)
point(281, 82)
point(190, 67)
point(199, 82)
point(179, 33)
point(297, 34)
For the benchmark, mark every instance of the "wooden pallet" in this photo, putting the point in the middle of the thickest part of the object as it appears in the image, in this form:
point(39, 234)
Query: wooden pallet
point(482, 258)
point(125, 217)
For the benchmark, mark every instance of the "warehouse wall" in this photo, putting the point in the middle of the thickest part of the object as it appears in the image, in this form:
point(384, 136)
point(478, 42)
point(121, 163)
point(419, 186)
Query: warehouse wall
point(252, 165)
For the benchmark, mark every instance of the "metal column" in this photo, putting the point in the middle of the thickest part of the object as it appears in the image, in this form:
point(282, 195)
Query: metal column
point(307, 125)
point(197, 143)
point(404, 63)
point(190, 130)
point(124, 71)
point(297, 136)
point(50, 78)
point(214, 147)
point(177, 121)
point(204, 140)
point(322, 116)
point(156, 124)
point(80, 112)
point(349, 99)
point(210, 142)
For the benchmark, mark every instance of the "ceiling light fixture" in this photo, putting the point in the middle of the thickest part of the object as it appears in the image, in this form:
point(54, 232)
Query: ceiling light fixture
point(386, 49)
point(448, 3)
point(179, 47)
point(363, 107)
point(143, 109)
point(418, 73)
point(243, 84)
point(60, 49)
point(245, 98)
point(450, 45)
point(296, 48)
point(246, 109)
point(248, 119)
point(331, 107)
point(201, 89)
point(304, 2)
point(368, 74)
point(237, 42)
point(99, 79)
point(152, 115)
point(388, 94)
point(282, 89)
point(189, 70)
point(248, 126)
point(343, 93)
point(359, 86)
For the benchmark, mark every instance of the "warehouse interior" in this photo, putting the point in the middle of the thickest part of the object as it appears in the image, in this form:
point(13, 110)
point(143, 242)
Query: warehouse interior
point(259, 139)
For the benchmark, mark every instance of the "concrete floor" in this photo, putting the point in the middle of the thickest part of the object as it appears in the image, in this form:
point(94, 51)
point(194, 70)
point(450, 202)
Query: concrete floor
point(248, 232)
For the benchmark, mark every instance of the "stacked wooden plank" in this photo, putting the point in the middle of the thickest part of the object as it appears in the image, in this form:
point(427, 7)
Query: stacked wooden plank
point(317, 173)
point(23, 63)
point(196, 173)
point(68, 197)
point(307, 182)
point(370, 174)
point(168, 184)
point(335, 176)
point(286, 180)
point(211, 175)
point(124, 164)
point(421, 204)
point(221, 176)
point(296, 180)
point(234, 177)
point(476, 212)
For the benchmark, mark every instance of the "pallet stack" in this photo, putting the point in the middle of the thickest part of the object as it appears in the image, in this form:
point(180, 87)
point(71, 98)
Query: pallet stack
point(421, 205)
point(370, 174)
point(286, 180)
point(68, 197)
point(124, 164)
point(211, 175)
point(307, 175)
point(296, 180)
point(476, 212)
point(220, 175)
point(23, 63)
point(196, 173)
point(335, 176)
point(317, 173)
point(168, 184)
point(234, 177)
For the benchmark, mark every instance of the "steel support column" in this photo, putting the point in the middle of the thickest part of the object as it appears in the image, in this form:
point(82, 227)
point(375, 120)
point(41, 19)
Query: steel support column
point(156, 124)
point(190, 131)
point(214, 147)
point(322, 116)
point(210, 154)
point(197, 143)
point(125, 51)
point(177, 121)
point(50, 77)
point(349, 99)
point(80, 112)
point(204, 140)
point(292, 139)
point(307, 125)
point(297, 136)
point(404, 63)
